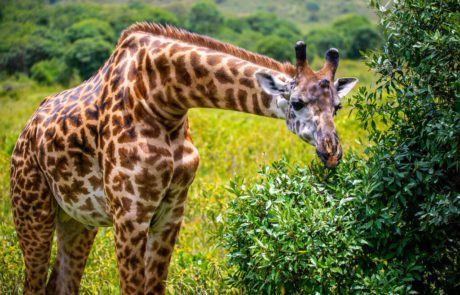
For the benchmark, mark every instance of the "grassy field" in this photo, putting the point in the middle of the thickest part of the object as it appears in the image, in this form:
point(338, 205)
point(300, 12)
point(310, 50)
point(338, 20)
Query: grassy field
point(231, 144)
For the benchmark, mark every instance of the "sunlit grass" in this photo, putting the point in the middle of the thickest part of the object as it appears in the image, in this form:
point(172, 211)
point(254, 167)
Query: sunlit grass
point(230, 144)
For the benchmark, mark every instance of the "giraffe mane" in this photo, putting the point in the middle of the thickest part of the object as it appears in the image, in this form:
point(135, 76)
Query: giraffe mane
point(204, 41)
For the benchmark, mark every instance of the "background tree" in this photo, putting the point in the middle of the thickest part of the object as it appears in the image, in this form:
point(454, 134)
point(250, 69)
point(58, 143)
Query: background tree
point(90, 28)
point(313, 8)
point(87, 55)
point(205, 18)
point(323, 39)
point(275, 47)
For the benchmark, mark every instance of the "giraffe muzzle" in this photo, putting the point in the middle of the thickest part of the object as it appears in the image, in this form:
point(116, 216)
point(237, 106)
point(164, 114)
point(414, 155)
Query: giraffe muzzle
point(329, 150)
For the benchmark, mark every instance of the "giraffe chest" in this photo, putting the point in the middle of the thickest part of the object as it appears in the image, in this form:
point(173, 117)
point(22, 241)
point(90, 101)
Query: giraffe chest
point(82, 195)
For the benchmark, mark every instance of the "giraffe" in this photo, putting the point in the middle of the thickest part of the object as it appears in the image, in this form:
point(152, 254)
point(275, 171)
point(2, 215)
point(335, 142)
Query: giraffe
point(117, 150)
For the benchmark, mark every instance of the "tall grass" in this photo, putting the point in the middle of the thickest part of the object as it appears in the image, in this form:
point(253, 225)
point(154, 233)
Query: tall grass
point(230, 144)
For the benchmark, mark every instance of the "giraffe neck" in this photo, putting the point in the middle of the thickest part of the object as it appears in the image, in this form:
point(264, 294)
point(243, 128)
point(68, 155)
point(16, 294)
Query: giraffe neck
point(167, 77)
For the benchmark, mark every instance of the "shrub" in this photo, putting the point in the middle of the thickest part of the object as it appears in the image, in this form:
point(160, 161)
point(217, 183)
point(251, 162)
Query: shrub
point(275, 47)
point(205, 18)
point(350, 34)
point(122, 17)
point(415, 161)
point(323, 39)
point(24, 44)
point(350, 22)
point(87, 55)
point(66, 14)
point(270, 24)
point(362, 39)
point(388, 222)
point(288, 232)
point(90, 28)
point(50, 72)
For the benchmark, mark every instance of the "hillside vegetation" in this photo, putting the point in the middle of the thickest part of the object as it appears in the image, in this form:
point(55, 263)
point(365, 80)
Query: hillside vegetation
point(305, 13)
point(65, 42)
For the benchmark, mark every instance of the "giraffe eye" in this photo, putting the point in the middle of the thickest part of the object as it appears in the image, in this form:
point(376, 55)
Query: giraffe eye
point(297, 105)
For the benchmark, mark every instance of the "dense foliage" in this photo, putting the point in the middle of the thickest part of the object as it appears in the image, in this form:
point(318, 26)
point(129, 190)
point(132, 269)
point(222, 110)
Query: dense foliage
point(386, 223)
point(70, 41)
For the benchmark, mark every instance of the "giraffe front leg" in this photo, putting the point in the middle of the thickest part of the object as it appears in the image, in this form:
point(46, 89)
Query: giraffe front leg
point(134, 190)
point(131, 225)
point(162, 237)
point(130, 242)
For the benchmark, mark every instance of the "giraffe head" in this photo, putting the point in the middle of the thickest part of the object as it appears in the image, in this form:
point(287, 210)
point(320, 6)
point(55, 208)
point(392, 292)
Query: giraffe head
point(310, 100)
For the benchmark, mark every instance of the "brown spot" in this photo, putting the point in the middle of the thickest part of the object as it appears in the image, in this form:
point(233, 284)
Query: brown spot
point(234, 71)
point(200, 70)
point(164, 68)
point(120, 57)
point(255, 103)
point(164, 251)
point(182, 75)
point(223, 77)
point(151, 74)
point(213, 59)
point(178, 212)
point(247, 82)
point(88, 206)
point(81, 143)
point(132, 72)
point(266, 98)
point(242, 99)
point(144, 212)
point(249, 71)
point(230, 101)
point(92, 114)
point(128, 135)
point(139, 87)
point(129, 157)
point(147, 185)
point(122, 182)
point(82, 163)
point(140, 57)
point(95, 182)
point(144, 41)
point(159, 288)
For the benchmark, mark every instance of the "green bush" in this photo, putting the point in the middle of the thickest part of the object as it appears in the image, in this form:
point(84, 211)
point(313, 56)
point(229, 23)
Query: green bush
point(288, 232)
point(50, 72)
point(270, 24)
point(24, 44)
point(350, 33)
point(205, 18)
point(362, 39)
point(347, 23)
point(87, 55)
point(275, 47)
point(90, 28)
point(121, 17)
point(386, 223)
point(323, 39)
point(66, 14)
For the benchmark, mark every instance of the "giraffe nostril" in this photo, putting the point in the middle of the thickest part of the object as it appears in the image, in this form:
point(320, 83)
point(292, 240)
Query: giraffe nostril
point(322, 156)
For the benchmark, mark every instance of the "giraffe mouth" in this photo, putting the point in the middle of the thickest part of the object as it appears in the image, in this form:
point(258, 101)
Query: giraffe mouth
point(330, 160)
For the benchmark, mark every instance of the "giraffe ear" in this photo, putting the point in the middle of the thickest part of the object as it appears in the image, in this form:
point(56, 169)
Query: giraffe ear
point(344, 85)
point(272, 85)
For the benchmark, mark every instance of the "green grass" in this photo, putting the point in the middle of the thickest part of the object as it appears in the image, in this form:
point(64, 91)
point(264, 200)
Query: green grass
point(230, 144)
